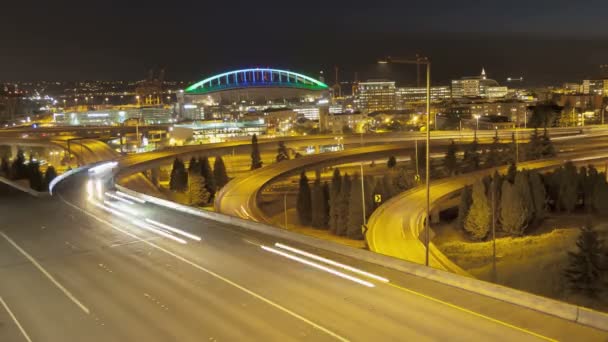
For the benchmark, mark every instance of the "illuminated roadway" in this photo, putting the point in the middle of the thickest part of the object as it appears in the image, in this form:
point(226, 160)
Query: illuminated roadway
point(77, 272)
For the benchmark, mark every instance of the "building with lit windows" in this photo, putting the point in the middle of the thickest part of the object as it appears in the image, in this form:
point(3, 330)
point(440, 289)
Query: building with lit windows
point(477, 86)
point(595, 87)
point(376, 95)
point(407, 95)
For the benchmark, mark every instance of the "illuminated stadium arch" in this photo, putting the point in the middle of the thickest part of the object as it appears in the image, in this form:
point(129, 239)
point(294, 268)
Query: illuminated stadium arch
point(255, 78)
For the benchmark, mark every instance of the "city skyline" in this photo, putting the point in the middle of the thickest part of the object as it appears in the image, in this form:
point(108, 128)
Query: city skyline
point(546, 45)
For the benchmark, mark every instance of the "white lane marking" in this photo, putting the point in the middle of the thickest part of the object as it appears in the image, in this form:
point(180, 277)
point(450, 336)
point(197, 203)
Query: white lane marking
point(47, 274)
point(318, 266)
point(132, 242)
point(25, 335)
point(331, 262)
point(138, 200)
point(138, 223)
point(201, 268)
point(173, 229)
point(118, 198)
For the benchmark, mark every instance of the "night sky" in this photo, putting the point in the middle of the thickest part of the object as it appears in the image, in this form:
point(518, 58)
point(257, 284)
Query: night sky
point(545, 41)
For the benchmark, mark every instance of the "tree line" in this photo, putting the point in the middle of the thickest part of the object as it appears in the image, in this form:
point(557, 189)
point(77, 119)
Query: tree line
point(30, 170)
point(200, 180)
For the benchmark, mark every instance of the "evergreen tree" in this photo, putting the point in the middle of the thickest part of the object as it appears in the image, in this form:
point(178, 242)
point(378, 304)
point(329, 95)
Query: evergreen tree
point(49, 175)
point(568, 187)
point(478, 220)
point(343, 205)
point(256, 160)
point(584, 274)
point(513, 215)
point(35, 176)
point(209, 177)
point(355, 210)
point(600, 197)
point(534, 147)
point(466, 198)
point(179, 178)
point(198, 192)
point(5, 167)
point(194, 166)
point(304, 202)
point(511, 173)
point(539, 195)
point(451, 159)
point(326, 199)
point(319, 205)
point(154, 176)
point(522, 186)
point(392, 162)
point(493, 158)
point(282, 153)
point(471, 156)
point(219, 172)
point(547, 148)
point(18, 168)
point(334, 200)
point(401, 181)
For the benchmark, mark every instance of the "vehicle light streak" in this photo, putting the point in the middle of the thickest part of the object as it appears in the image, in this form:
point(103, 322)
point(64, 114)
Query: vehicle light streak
point(125, 210)
point(137, 223)
point(318, 266)
point(119, 198)
point(133, 198)
point(103, 167)
point(99, 189)
point(331, 262)
point(175, 230)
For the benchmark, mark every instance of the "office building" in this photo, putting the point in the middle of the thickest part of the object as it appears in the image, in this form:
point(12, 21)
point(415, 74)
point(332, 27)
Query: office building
point(376, 95)
point(476, 86)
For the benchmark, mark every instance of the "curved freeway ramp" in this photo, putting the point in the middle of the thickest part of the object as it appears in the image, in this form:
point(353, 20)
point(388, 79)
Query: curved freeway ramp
point(395, 228)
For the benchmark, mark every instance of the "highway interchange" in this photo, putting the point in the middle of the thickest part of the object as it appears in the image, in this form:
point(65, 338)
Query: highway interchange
point(74, 268)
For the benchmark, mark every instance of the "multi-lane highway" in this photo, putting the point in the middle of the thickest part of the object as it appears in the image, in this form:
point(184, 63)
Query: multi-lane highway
point(81, 270)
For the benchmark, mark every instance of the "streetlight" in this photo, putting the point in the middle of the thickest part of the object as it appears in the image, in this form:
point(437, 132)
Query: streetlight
point(426, 61)
point(476, 116)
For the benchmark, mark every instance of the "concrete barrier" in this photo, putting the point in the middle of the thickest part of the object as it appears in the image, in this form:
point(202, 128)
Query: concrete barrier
point(25, 189)
point(545, 305)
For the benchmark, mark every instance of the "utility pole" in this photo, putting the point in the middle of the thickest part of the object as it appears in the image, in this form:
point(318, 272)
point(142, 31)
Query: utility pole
point(285, 207)
point(494, 229)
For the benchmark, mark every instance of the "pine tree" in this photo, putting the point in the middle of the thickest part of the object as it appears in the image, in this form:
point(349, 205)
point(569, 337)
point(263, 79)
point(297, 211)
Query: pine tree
point(194, 166)
point(568, 188)
point(256, 160)
point(18, 168)
point(49, 175)
point(401, 181)
point(471, 156)
point(5, 167)
point(154, 176)
point(539, 195)
point(282, 153)
point(334, 200)
point(600, 197)
point(522, 186)
point(547, 148)
point(493, 157)
point(355, 210)
point(478, 220)
point(534, 147)
point(326, 200)
point(388, 185)
point(207, 173)
point(219, 172)
point(392, 162)
point(511, 173)
point(343, 205)
point(304, 202)
point(585, 270)
point(179, 178)
point(513, 215)
point(35, 176)
point(198, 192)
point(466, 198)
point(451, 159)
point(319, 205)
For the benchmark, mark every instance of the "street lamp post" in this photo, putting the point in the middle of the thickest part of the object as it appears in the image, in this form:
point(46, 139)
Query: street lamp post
point(425, 61)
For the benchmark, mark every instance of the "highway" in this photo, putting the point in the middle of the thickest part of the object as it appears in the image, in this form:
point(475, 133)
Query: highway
point(79, 272)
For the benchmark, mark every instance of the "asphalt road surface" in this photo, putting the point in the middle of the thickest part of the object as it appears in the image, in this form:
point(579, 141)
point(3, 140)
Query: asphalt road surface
point(71, 270)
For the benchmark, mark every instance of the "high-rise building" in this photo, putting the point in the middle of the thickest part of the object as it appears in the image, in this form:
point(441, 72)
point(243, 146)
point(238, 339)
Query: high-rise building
point(407, 95)
point(376, 95)
point(475, 86)
point(595, 87)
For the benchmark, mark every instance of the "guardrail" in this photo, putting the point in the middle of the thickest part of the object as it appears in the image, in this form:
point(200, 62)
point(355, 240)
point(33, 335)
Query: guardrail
point(548, 306)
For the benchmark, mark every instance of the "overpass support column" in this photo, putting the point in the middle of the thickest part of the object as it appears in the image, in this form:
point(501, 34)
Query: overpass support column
point(14, 151)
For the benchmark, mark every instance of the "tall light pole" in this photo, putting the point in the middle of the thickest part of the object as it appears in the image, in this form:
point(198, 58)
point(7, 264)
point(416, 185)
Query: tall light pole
point(425, 61)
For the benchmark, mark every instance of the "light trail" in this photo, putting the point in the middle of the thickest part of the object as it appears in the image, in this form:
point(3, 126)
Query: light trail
point(133, 198)
point(318, 266)
point(331, 262)
point(173, 229)
point(142, 225)
point(119, 198)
